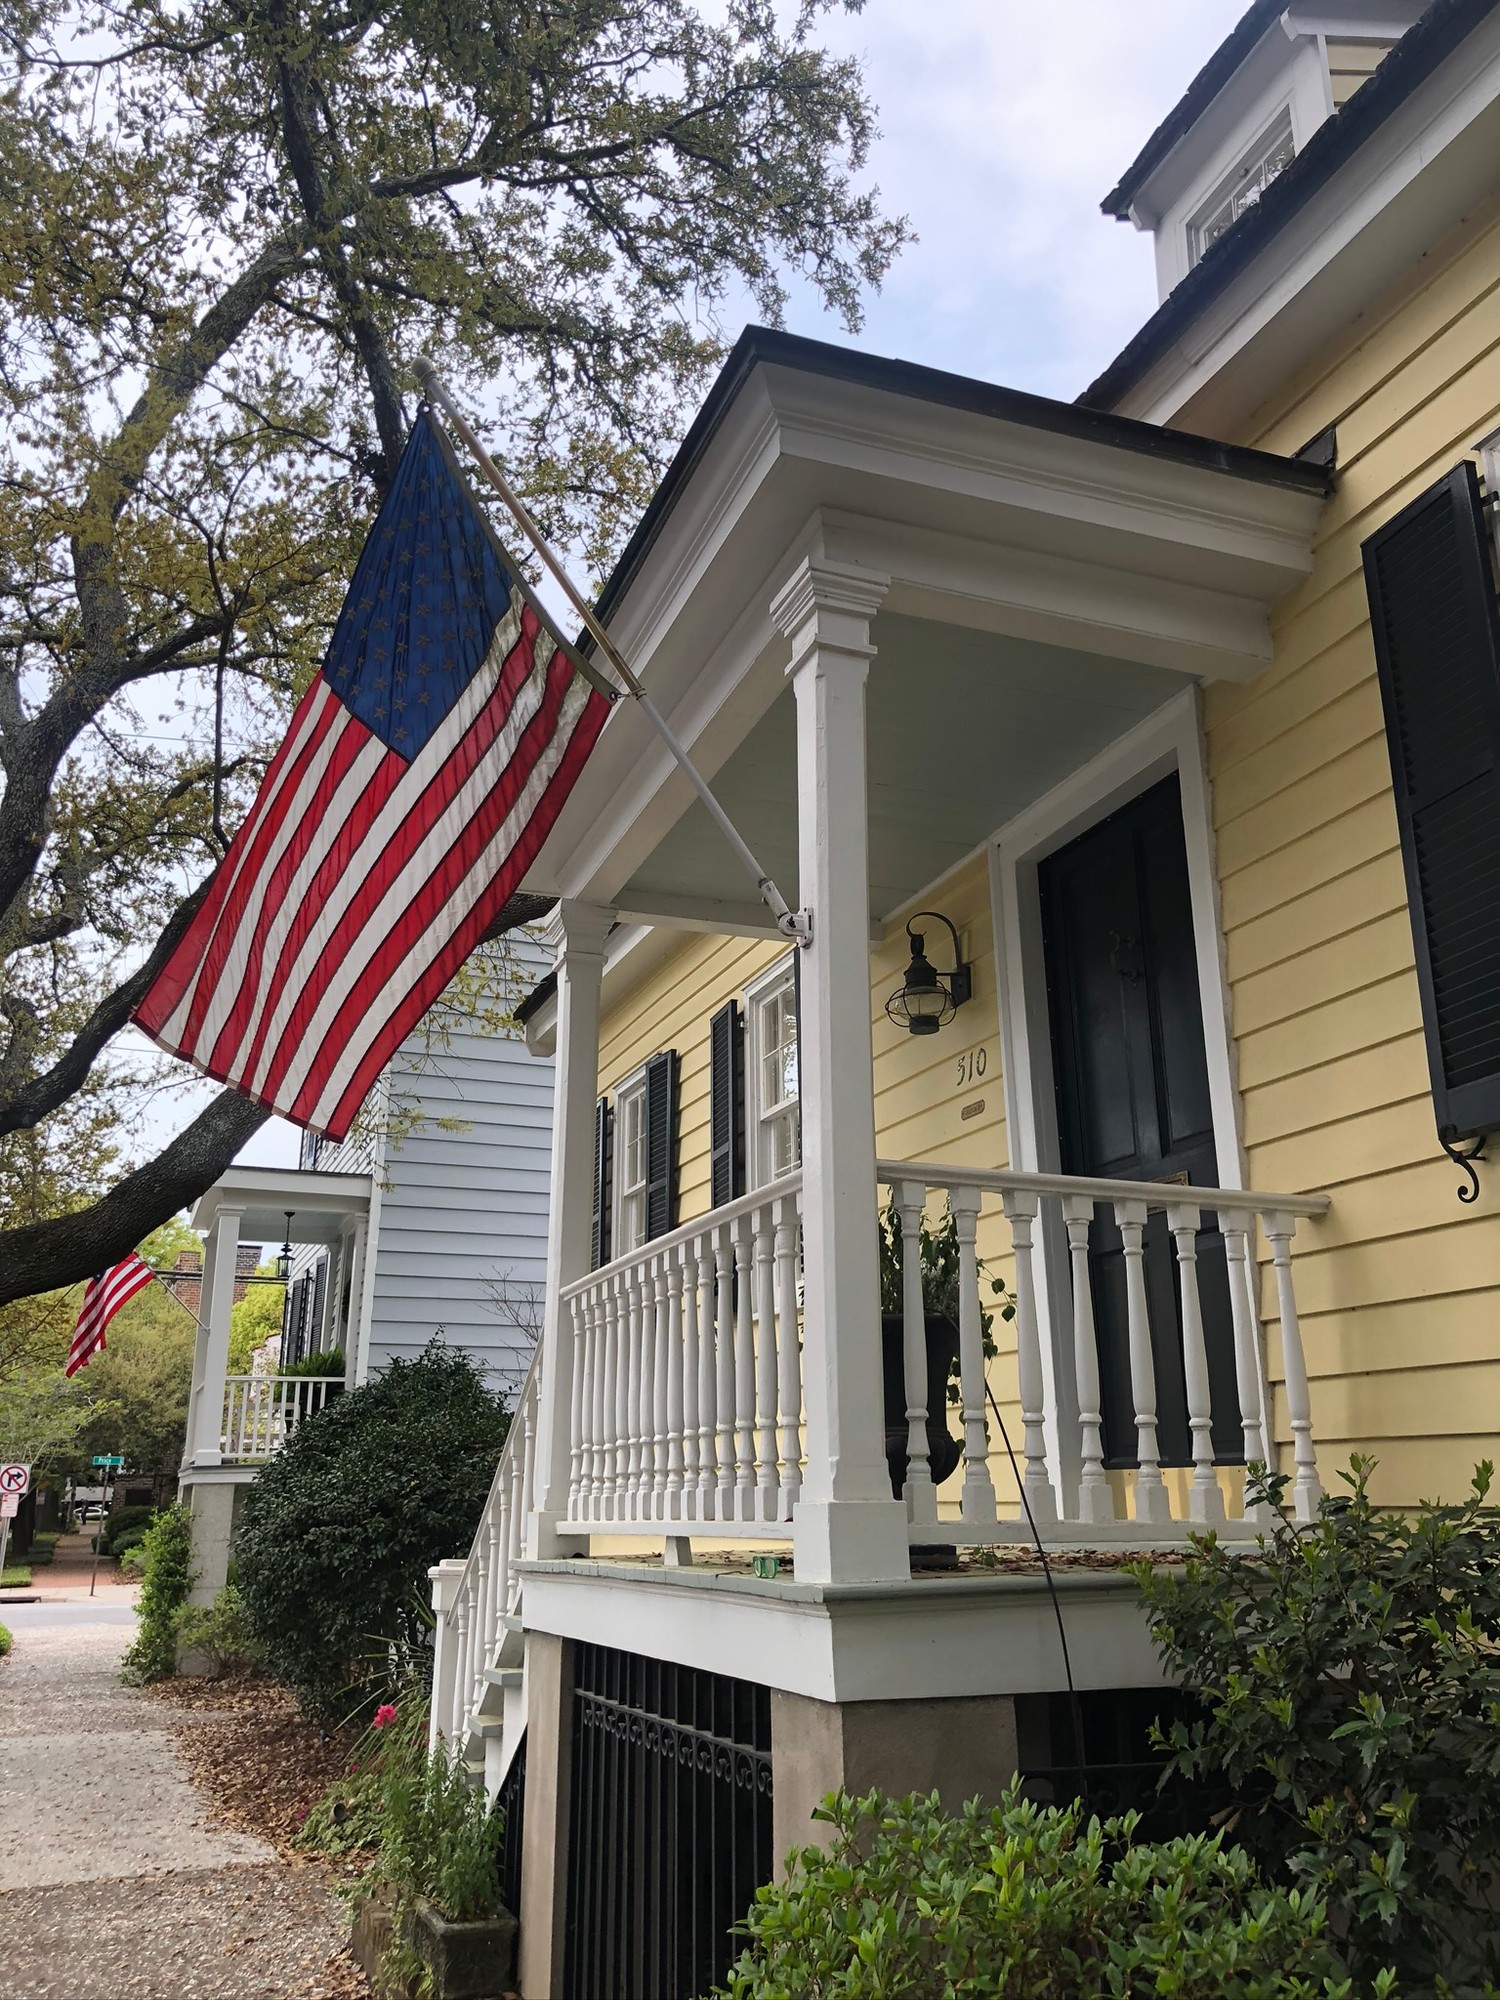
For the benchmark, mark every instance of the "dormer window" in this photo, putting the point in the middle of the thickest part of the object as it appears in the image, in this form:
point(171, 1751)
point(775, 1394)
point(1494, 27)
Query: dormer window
point(1244, 186)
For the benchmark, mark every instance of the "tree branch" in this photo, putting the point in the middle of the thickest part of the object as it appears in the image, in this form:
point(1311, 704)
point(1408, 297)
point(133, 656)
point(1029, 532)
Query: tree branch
point(43, 1256)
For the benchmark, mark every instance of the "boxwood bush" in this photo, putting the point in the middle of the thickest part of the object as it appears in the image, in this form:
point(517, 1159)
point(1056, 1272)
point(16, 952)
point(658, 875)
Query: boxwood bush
point(1027, 1902)
point(152, 1654)
point(341, 1527)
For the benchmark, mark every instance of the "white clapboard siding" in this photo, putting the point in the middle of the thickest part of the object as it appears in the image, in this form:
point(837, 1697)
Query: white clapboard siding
point(462, 1209)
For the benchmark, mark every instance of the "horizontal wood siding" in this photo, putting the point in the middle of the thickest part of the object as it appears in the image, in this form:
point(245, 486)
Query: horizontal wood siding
point(1350, 64)
point(1399, 1286)
point(464, 1201)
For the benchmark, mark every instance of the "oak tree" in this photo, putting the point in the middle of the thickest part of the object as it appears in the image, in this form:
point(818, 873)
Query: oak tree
point(227, 228)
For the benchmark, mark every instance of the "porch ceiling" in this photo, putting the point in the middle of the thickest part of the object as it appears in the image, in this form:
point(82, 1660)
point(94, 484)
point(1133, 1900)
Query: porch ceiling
point(965, 730)
point(320, 1204)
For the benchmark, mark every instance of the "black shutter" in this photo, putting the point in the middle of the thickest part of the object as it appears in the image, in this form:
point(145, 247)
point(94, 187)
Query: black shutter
point(726, 1098)
point(1437, 645)
point(604, 1149)
point(661, 1144)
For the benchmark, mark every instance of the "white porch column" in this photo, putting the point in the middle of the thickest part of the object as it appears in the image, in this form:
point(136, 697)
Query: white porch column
point(215, 1300)
point(580, 967)
point(846, 1526)
point(356, 1251)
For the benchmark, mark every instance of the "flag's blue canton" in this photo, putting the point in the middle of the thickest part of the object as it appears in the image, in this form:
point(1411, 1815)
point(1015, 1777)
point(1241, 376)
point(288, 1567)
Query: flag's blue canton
point(427, 594)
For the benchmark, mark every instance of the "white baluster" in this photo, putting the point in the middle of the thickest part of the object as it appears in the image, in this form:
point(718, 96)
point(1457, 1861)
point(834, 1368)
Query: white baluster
point(918, 1492)
point(677, 1317)
point(503, 1513)
point(744, 1372)
point(1307, 1489)
point(977, 1501)
point(1095, 1501)
point(763, 1251)
point(707, 1377)
point(1021, 1213)
point(575, 1318)
point(687, 1281)
point(465, 1662)
point(724, 1359)
point(1152, 1500)
point(660, 1361)
point(1240, 1261)
point(635, 1428)
point(789, 1367)
point(601, 1363)
point(1205, 1500)
point(620, 1395)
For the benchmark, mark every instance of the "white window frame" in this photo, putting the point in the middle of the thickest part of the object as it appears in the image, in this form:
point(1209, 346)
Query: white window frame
point(628, 1224)
point(1280, 132)
point(761, 1119)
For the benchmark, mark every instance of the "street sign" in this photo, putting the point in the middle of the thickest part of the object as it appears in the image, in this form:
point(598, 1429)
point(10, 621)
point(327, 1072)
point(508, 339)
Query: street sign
point(9, 1504)
point(112, 1463)
point(15, 1479)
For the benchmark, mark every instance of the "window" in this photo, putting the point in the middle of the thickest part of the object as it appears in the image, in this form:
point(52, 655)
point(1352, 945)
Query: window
point(630, 1164)
point(1243, 188)
point(775, 1082)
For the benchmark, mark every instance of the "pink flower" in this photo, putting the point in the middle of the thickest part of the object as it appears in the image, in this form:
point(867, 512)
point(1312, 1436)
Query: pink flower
point(385, 1714)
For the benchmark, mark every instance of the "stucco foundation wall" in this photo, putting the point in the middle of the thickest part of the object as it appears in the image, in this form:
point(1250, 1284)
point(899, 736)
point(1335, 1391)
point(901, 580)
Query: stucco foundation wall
point(1398, 1288)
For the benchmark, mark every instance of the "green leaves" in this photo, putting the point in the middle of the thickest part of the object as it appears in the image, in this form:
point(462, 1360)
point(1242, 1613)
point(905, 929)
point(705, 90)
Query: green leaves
point(1025, 1902)
point(1349, 1673)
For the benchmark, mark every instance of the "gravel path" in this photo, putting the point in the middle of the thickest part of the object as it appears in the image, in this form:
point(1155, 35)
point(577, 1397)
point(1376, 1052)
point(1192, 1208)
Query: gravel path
point(114, 1883)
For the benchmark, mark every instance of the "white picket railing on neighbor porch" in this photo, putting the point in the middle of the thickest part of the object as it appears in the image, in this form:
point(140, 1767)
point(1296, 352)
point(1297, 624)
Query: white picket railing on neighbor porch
point(472, 1607)
point(261, 1412)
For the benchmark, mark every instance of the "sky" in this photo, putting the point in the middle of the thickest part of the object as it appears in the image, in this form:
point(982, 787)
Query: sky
point(1003, 125)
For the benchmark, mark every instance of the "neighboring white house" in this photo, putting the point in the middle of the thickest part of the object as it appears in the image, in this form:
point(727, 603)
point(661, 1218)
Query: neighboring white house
point(430, 1218)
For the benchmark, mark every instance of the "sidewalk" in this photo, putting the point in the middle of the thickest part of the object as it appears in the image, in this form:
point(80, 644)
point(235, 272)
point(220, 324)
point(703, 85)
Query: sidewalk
point(67, 1575)
point(115, 1884)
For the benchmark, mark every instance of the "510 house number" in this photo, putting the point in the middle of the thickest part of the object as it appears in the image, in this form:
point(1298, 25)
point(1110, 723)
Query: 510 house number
point(972, 1065)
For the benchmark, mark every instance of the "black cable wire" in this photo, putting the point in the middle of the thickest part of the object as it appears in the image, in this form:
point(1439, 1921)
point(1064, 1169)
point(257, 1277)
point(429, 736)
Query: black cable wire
point(1075, 1705)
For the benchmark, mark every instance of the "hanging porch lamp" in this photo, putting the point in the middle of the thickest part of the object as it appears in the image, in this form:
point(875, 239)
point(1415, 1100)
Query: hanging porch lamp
point(927, 999)
point(284, 1261)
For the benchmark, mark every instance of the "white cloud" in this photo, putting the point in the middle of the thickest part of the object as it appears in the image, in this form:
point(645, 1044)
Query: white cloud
point(1004, 124)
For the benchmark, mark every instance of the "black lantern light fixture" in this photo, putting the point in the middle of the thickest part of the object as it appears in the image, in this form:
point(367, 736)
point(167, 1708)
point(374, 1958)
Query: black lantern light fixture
point(927, 999)
point(284, 1261)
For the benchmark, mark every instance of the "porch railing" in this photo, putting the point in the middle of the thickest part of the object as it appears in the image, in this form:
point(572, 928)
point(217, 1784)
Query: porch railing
point(472, 1605)
point(687, 1363)
point(1088, 1503)
point(261, 1411)
point(687, 1373)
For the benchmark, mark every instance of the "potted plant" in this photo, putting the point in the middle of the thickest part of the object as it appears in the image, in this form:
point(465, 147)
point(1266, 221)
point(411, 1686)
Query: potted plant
point(441, 1850)
point(938, 1249)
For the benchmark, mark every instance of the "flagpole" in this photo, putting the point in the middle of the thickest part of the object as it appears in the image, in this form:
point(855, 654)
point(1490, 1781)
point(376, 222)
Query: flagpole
point(791, 923)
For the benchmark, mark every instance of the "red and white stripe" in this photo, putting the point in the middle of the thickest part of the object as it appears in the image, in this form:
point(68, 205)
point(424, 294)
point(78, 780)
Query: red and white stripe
point(102, 1299)
point(361, 880)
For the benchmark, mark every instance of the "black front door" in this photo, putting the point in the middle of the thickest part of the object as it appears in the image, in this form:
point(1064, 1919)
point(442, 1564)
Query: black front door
point(1133, 1098)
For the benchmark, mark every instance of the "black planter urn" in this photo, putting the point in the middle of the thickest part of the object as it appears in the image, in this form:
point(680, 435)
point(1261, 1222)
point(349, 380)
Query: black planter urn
point(943, 1449)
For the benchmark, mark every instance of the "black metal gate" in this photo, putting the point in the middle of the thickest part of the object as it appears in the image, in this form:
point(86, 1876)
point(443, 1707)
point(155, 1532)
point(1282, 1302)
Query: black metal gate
point(669, 1828)
point(512, 1802)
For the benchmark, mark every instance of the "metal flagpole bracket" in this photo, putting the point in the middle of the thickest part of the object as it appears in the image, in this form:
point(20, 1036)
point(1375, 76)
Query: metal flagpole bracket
point(795, 925)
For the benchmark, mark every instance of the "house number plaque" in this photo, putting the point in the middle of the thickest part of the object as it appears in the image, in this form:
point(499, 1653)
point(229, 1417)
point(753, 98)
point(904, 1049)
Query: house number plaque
point(972, 1065)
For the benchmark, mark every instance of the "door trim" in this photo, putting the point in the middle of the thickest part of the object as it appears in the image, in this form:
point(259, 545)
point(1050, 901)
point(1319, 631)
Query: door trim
point(1169, 740)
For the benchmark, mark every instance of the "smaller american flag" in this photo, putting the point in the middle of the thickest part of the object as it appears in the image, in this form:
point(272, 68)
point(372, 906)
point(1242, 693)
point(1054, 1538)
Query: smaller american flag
point(102, 1299)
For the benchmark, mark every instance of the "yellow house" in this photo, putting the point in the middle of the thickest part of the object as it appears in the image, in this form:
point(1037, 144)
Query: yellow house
point(1132, 767)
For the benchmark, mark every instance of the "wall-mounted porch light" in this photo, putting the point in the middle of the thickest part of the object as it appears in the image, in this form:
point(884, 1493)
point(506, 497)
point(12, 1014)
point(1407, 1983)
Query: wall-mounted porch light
point(284, 1261)
point(927, 999)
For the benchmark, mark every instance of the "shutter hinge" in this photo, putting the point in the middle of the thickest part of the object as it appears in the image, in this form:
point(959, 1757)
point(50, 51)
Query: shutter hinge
point(1464, 1160)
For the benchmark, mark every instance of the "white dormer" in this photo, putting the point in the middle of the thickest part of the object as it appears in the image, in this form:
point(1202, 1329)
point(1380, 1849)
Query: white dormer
point(1279, 76)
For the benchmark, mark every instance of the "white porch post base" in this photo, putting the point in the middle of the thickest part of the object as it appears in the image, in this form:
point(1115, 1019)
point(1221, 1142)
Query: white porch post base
point(845, 1527)
point(580, 969)
point(445, 1578)
point(850, 1541)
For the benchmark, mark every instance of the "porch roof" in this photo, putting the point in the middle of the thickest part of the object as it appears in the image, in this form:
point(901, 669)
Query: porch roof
point(320, 1203)
point(1053, 574)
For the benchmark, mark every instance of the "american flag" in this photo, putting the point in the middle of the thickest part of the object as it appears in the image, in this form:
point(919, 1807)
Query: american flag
point(102, 1299)
point(419, 777)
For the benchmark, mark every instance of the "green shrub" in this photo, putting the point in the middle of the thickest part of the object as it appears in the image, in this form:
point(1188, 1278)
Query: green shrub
point(220, 1630)
point(15, 1578)
point(1025, 1902)
point(441, 1841)
point(6, 1641)
point(350, 1816)
point(1350, 1678)
point(341, 1527)
point(133, 1562)
point(125, 1521)
point(152, 1655)
point(331, 1363)
point(133, 1538)
point(43, 1548)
